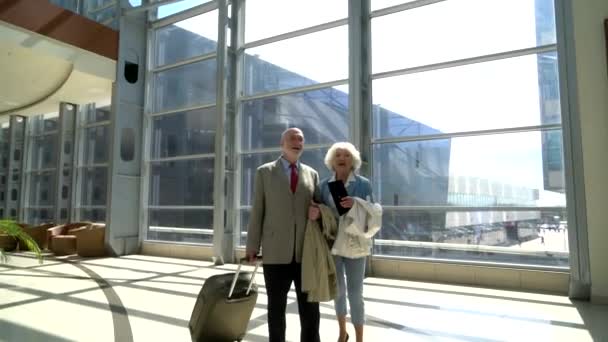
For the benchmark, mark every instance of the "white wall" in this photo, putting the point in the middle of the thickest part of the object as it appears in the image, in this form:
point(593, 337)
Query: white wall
point(592, 88)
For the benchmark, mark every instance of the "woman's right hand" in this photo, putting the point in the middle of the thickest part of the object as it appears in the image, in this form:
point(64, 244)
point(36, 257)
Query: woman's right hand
point(313, 211)
point(347, 202)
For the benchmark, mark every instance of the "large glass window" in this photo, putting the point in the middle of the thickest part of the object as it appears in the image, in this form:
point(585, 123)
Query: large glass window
point(4, 159)
point(289, 15)
point(307, 59)
point(296, 62)
point(43, 137)
point(101, 11)
point(181, 225)
point(99, 115)
point(498, 94)
point(467, 157)
point(96, 145)
point(44, 153)
point(94, 186)
point(71, 5)
point(182, 125)
point(465, 136)
point(93, 163)
point(180, 6)
point(536, 237)
point(93, 214)
point(452, 30)
point(15, 132)
point(186, 39)
point(182, 183)
point(185, 133)
point(104, 15)
point(42, 189)
point(185, 86)
point(503, 169)
point(321, 114)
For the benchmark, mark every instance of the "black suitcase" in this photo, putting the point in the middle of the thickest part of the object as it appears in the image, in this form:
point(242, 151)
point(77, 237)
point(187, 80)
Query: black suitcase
point(224, 306)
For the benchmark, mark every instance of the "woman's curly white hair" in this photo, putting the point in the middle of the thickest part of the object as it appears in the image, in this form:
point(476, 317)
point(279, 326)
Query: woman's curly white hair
point(331, 154)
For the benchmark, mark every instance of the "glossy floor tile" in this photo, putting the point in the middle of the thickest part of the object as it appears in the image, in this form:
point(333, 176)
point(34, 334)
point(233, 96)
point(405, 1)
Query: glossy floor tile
point(145, 298)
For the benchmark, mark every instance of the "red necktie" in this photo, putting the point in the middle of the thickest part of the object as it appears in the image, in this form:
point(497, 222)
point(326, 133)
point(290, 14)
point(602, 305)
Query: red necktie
point(294, 178)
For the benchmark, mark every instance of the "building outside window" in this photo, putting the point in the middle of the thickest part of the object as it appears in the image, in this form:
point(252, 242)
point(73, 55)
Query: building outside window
point(4, 159)
point(93, 163)
point(182, 117)
point(464, 125)
point(467, 139)
point(42, 138)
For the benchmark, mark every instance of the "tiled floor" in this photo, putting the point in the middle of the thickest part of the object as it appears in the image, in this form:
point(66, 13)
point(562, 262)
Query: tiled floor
point(144, 298)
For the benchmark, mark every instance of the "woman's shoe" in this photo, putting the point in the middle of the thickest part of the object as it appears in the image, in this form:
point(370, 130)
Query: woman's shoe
point(345, 339)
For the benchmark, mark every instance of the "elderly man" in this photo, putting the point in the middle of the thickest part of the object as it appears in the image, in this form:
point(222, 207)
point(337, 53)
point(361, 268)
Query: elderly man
point(283, 193)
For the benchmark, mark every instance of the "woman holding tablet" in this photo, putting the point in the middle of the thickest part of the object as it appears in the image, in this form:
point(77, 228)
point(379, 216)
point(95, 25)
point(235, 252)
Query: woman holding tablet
point(350, 197)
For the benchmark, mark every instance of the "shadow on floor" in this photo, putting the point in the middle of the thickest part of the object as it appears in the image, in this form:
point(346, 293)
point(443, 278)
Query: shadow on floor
point(595, 317)
point(16, 332)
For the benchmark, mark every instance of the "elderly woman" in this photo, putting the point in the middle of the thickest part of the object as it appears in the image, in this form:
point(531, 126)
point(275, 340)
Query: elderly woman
point(349, 250)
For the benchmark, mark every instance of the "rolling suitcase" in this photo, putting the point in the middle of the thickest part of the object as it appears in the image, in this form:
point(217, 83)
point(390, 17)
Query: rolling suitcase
point(224, 306)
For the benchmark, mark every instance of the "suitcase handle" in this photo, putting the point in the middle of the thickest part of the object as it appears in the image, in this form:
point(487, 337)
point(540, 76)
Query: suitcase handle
point(258, 261)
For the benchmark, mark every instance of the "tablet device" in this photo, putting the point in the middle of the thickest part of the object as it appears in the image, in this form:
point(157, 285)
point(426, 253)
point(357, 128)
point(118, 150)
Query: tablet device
point(338, 191)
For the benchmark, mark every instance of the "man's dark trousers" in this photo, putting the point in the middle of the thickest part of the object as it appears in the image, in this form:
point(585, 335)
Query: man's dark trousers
point(278, 278)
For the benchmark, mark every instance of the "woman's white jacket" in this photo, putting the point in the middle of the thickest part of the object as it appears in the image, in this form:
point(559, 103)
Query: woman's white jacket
point(356, 229)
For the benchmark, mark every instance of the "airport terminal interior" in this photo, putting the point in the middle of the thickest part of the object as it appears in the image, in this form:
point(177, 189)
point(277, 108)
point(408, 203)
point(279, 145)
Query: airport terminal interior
point(131, 131)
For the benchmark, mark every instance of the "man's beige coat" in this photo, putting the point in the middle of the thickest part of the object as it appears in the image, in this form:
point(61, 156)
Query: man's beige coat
point(278, 216)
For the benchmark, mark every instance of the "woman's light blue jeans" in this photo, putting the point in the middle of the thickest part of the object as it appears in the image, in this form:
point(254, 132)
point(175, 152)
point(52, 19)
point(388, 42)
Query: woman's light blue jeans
point(350, 274)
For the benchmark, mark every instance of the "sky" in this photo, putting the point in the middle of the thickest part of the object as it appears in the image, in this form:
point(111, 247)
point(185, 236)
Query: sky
point(491, 95)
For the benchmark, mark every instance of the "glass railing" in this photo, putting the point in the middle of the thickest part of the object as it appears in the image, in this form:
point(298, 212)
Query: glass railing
point(102, 11)
point(71, 5)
